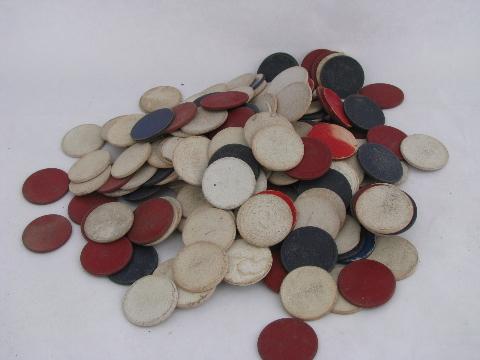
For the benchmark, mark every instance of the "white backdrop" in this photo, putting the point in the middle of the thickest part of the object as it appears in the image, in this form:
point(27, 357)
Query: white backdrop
point(63, 63)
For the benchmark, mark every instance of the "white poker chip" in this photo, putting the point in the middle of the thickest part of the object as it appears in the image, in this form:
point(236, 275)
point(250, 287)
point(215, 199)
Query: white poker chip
point(82, 139)
point(424, 152)
point(131, 159)
point(190, 159)
point(89, 166)
point(160, 97)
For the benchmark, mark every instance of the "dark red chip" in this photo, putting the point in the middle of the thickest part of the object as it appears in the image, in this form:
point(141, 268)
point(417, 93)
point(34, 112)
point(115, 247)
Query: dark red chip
point(152, 219)
point(224, 100)
point(311, 83)
point(47, 233)
point(366, 283)
point(387, 136)
point(316, 160)
point(320, 55)
point(81, 205)
point(386, 96)
point(184, 113)
point(106, 258)
point(45, 186)
point(277, 272)
point(339, 140)
point(334, 106)
point(287, 339)
point(287, 199)
point(113, 184)
point(236, 118)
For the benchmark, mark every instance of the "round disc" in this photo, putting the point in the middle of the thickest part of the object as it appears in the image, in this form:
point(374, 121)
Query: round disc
point(106, 259)
point(280, 178)
point(190, 159)
point(45, 186)
point(160, 97)
point(152, 219)
point(317, 64)
point(328, 195)
point(89, 166)
point(309, 246)
point(387, 136)
point(366, 283)
point(108, 222)
point(333, 104)
point(152, 125)
point(386, 96)
point(294, 74)
point(47, 233)
point(238, 151)
point(342, 306)
point(274, 64)
point(236, 118)
point(342, 74)
point(190, 198)
point(349, 235)
point(309, 59)
point(113, 184)
point(224, 100)
point(262, 120)
point(160, 175)
point(150, 300)
point(287, 199)
point(308, 292)
point(82, 139)
point(143, 262)
point(363, 250)
point(131, 159)
point(200, 267)
point(277, 272)
point(228, 183)
point(184, 113)
point(79, 206)
point(424, 152)
point(287, 339)
point(139, 178)
point(231, 135)
point(397, 253)
point(318, 212)
point(363, 112)
point(316, 160)
point(380, 163)
point(92, 185)
point(118, 133)
point(293, 100)
point(205, 121)
point(340, 141)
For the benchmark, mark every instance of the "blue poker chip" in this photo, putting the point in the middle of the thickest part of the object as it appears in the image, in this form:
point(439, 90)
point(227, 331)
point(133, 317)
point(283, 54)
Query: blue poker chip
point(143, 262)
point(363, 250)
point(147, 192)
point(380, 163)
point(274, 64)
point(160, 174)
point(152, 125)
point(363, 112)
point(309, 246)
point(342, 74)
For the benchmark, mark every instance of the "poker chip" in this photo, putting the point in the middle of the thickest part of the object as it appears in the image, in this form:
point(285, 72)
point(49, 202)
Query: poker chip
point(160, 174)
point(341, 142)
point(89, 166)
point(348, 236)
point(79, 206)
point(230, 135)
point(293, 100)
point(316, 160)
point(106, 259)
point(274, 64)
point(152, 125)
point(424, 152)
point(274, 278)
point(92, 185)
point(266, 102)
point(263, 120)
point(143, 262)
point(205, 121)
point(131, 159)
point(140, 177)
point(45, 186)
point(366, 283)
point(190, 159)
point(333, 104)
point(285, 198)
point(113, 184)
point(47, 233)
point(363, 112)
point(342, 306)
point(236, 118)
point(224, 100)
point(342, 74)
point(364, 248)
point(119, 132)
point(143, 193)
point(238, 151)
point(387, 136)
point(287, 339)
point(160, 97)
point(108, 222)
point(82, 139)
point(309, 246)
point(319, 212)
point(380, 163)
point(191, 198)
point(386, 96)
point(183, 114)
point(323, 194)
point(280, 178)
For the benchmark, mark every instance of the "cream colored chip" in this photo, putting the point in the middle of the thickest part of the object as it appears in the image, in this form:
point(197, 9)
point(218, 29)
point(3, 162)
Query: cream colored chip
point(349, 172)
point(211, 225)
point(308, 293)
point(177, 216)
point(230, 135)
point(424, 152)
point(384, 209)
point(331, 196)
point(168, 147)
point(88, 187)
point(131, 159)
point(119, 132)
point(107, 126)
point(89, 166)
point(200, 267)
point(262, 183)
point(82, 139)
point(266, 102)
point(280, 178)
point(278, 148)
point(260, 88)
point(294, 100)
point(318, 212)
point(302, 128)
point(396, 253)
point(247, 264)
point(160, 97)
point(349, 235)
point(190, 159)
point(156, 158)
point(108, 222)
point(205, 121)
point(288, 76)
point(186, 299)
point(264, 220)
point(228, 182)
point(150, 300)
point(342, 306)
point(191, 198)
point(241, 80)
point(262, 120)
point(140, 177)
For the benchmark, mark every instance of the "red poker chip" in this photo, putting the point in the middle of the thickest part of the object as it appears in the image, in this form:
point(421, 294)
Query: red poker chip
point(333, 104)
point(323, 53)
point(277, 272)
point(366, 283)
point(152, 220)
point(387, 136)
point(105, 259)
point(339, 140)
point(45, 186)
point(224, 100)
point(113, 184)
point(310, 58)
point(287, 339)
point(285, 198)
point(184, 113)
point(386, 96)
point(316, 161)
point(79, 206)
point(236, 118)
point(47, 233)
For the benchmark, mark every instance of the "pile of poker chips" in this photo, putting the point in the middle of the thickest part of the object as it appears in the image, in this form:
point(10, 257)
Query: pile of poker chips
point(289, 176)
